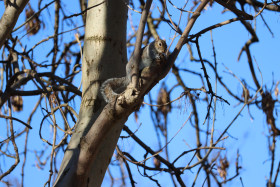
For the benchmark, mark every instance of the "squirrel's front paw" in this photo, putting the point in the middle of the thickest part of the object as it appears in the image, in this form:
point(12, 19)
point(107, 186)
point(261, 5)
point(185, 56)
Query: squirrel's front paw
point(158, 57)
point(128, 97)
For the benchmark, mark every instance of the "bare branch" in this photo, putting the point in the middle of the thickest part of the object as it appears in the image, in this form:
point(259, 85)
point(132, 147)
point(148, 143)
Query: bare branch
point(139, 36)
point(9, 18)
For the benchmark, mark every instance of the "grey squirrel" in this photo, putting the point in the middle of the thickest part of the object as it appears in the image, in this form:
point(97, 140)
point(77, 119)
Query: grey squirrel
point(111, 88)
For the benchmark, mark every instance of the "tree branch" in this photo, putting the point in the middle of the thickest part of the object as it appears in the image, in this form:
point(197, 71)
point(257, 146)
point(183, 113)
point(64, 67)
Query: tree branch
point(139, 37)
point(10, 18)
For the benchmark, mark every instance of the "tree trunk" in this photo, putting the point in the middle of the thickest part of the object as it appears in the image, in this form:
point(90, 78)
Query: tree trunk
point(104, 56)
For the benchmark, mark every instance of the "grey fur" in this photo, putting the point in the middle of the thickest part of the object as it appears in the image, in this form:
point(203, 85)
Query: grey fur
point(111, 88)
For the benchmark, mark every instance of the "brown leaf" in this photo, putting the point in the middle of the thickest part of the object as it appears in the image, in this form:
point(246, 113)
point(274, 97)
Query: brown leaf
point(222, 168)
point(156, 163)
point(33, 26)
point(17, 103)
point(163, 98)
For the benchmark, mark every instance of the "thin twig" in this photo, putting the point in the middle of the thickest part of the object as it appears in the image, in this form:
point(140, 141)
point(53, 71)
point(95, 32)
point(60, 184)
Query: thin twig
point(75, 15)
point(13, 118)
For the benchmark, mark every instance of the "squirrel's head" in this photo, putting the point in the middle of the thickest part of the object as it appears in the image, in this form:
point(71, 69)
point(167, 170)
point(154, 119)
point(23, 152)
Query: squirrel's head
point(160, 46)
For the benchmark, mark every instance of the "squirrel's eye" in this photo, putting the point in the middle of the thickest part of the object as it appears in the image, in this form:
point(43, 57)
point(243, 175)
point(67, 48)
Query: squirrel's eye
point(159, 44)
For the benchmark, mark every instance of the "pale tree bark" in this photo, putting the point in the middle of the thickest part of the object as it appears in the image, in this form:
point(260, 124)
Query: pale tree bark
point(10, 17)
point(104, 56)
point(90, 149)
point(97, 145)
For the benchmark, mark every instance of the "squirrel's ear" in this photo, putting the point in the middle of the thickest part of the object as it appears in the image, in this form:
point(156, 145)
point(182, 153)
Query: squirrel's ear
point(157, 38)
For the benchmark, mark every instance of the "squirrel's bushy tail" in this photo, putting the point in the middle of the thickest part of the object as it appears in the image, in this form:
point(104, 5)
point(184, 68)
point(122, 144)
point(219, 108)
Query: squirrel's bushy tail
point(111, 88)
